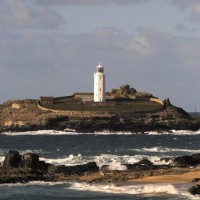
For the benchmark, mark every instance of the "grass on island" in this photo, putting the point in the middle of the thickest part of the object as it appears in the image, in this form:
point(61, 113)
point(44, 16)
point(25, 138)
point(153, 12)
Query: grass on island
point(112, 107)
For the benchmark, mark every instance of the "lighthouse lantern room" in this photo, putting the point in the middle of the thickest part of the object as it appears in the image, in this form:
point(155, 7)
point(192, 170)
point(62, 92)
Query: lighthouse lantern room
point(99, 84)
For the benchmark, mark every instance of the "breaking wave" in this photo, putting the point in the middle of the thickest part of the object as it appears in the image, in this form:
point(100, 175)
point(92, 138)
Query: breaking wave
point(40, 132)
point(127, 189)
point(165, 150)
point(174, 132)
point(115, 161)
point(106, 132)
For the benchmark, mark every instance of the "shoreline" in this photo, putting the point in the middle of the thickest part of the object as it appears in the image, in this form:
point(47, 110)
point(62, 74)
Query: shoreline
point(171, 179)
point(185, 177)
point(28, 167)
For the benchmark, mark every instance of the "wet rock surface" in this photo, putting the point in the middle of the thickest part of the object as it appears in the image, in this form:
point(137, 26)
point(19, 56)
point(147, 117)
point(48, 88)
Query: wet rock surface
point(194, 190)
point(185, 161)
point(28, 167)
point(24, 168)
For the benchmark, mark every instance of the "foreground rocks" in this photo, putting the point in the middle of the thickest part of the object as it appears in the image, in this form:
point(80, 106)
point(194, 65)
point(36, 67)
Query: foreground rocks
point(194, 190)
point(27, 167)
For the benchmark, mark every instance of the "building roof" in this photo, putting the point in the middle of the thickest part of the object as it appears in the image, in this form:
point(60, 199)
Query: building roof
point(99, 66)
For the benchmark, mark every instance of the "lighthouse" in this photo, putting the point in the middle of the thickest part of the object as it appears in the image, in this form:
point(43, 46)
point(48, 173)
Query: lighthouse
point(99, 84)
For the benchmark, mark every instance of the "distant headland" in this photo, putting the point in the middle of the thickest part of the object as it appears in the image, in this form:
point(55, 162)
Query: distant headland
point(124, 109)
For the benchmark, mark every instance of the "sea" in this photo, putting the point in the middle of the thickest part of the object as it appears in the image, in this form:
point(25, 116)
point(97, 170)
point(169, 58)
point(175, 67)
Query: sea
point(71, 148)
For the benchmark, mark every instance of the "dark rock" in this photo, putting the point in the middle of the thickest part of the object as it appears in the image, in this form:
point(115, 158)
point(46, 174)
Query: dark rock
point(70, 170)
point(12, 159)
point(27, 168)
point(196, 180)
point(105, 168)
point(145, 162)
point(167, 102)
point(167, 159)
point(184, 161)
point(30, 160)
point(194, 190)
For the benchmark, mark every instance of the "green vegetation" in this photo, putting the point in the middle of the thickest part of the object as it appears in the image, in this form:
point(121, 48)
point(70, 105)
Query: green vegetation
point(110, 106)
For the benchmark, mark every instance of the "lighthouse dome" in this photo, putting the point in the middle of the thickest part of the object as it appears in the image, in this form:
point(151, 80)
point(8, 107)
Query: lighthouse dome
point(99, 68)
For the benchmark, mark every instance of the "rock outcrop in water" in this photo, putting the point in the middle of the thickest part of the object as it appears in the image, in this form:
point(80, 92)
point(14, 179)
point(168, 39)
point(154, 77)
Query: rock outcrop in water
point(27, 167)
point(27, 116)
point(24, 168)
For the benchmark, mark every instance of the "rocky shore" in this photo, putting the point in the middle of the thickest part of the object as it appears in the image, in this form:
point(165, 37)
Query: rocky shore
point(27, 167)
point(29, 117)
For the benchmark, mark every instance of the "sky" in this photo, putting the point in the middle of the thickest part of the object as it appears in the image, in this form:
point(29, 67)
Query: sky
point(52, 47)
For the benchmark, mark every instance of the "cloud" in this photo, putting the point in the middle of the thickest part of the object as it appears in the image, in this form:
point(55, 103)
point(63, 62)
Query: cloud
point(20, 15)
point(183, 28)
point(190, 6)
point(38, 63)
point(89, 2)
point(51, 51)
point(184, 4)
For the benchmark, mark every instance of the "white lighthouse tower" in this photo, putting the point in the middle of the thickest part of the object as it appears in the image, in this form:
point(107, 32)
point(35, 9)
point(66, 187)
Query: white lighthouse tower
point(99, 84)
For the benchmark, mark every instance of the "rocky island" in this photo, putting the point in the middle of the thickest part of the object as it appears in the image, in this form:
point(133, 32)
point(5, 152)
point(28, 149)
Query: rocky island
point(124, 109)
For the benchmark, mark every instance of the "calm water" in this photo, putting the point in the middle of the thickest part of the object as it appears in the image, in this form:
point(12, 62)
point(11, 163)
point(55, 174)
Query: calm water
point(103, 148)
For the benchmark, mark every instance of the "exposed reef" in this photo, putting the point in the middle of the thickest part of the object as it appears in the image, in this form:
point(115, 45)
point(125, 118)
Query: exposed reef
point(24, 168)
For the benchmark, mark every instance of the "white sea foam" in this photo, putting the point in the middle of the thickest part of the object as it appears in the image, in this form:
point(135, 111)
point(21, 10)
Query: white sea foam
point(42, 183)
point(174, 132)
point(68, 132)
point(127, 189)
point(106, 132)
point(165, 150)
point(2, 159)
point(69, 160)
point(115, 161)
point(117, 166)
point(40, 132)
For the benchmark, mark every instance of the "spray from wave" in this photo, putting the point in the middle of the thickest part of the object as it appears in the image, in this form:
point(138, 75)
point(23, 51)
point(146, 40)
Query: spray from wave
point(114, 161)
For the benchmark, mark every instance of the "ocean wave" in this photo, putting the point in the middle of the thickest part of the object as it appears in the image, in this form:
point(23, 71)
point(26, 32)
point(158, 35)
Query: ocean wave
point(103, 159)
point(127, 189)
point(2, 159)
point(115, 165)
point(165, 150)
point(42, 183)
point(40, 132)
point(72, 132)
point(68, 161)
point(115, 161)
point(174, 132)
point(106, 132)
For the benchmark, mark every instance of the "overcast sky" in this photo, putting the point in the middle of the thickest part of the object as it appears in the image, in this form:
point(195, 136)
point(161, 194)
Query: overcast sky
point(52, 47)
